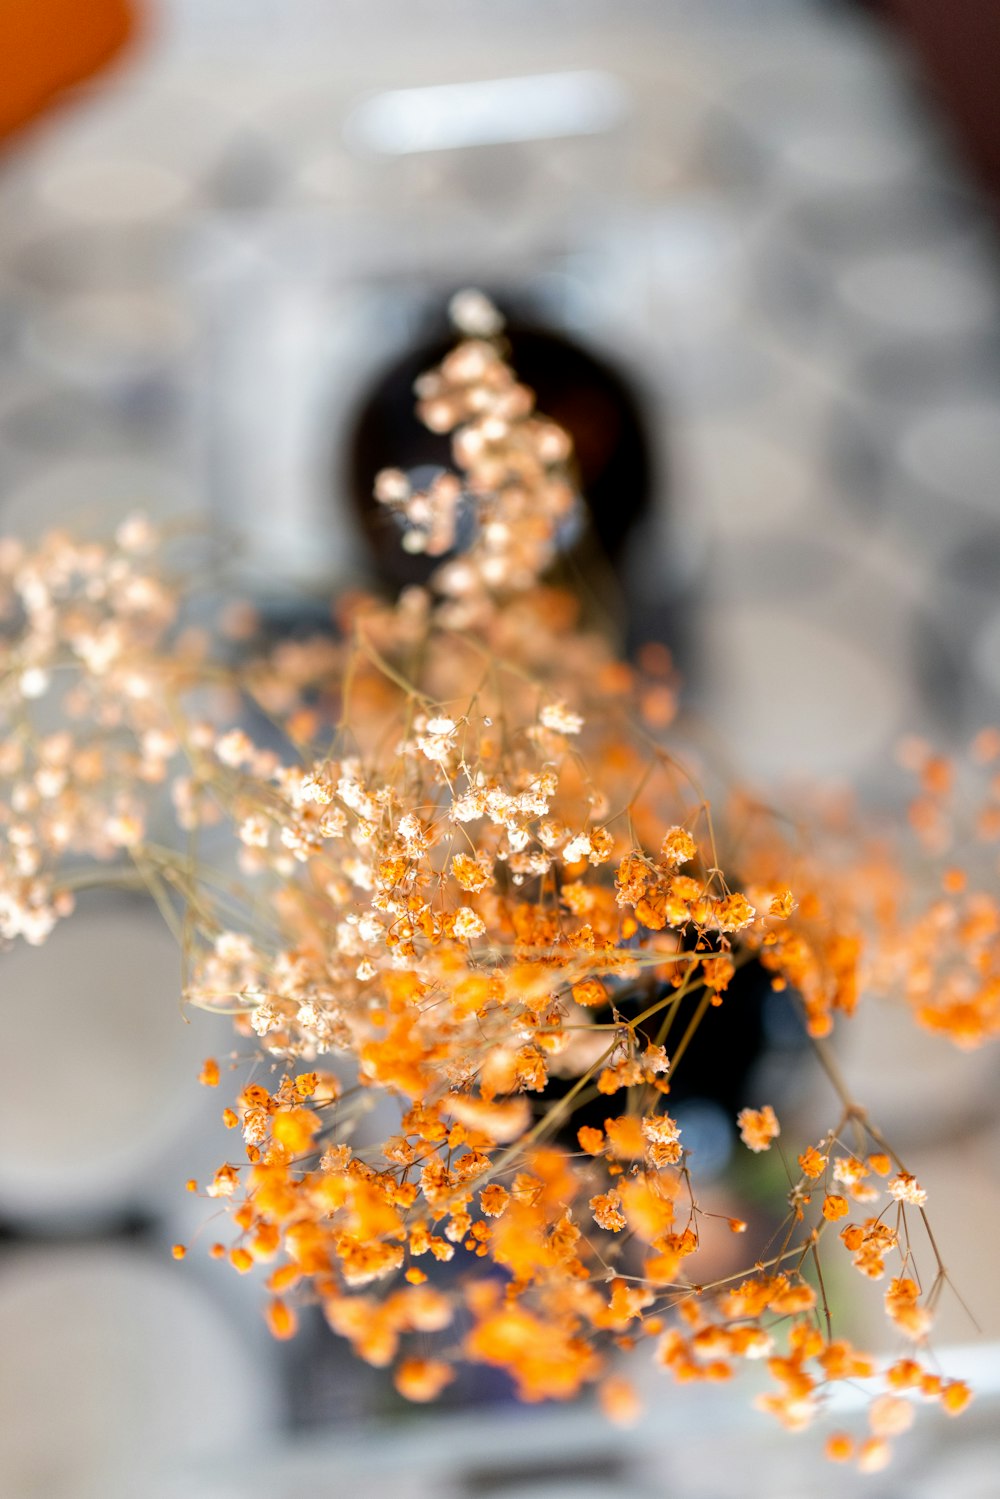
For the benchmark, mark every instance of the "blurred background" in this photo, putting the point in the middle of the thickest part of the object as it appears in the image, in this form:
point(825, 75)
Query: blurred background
point(749, 248)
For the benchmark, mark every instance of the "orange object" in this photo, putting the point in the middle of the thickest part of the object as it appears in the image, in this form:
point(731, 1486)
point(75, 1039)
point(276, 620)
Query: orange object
point(50, 45)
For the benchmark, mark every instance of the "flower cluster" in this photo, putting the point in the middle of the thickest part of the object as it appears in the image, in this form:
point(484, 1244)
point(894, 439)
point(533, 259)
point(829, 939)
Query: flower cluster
point(472, 890)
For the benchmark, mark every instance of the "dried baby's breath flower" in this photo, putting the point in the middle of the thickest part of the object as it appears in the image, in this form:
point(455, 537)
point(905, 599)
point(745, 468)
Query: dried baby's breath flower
point(468, 875)
point(758, 1127)
point(906, 1188)
point(560, 719)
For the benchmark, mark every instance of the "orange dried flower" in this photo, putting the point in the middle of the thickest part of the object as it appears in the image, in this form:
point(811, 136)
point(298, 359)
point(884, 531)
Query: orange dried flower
point(626, 1137)
point(813, 1162)
point(839, 1447)
point(619, 1401)
point(677, 846)
point(606, 1208)
point(591, 1140)
point(281, 1319)
point(294, 1129)
point(955, 1396)
point(422, 1379)
point(733, 913)
point(493, 1200)
point(759, 1128)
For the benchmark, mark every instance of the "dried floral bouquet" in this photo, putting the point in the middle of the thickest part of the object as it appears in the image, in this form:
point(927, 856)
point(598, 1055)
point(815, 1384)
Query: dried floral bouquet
point(473, 885)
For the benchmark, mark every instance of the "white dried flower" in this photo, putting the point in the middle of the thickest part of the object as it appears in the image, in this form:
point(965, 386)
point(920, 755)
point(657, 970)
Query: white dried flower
point(467, 924)
point(560, 719)
point(905, 1188)
point(473, 313)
